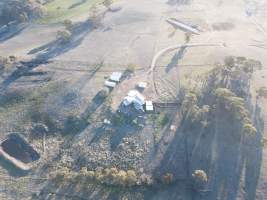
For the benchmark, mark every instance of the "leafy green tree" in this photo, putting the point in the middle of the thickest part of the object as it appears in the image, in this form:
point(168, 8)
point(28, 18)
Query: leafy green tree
point(131, 178)
point(190, 100)
point(68, 24)
point(262, 92)
point(107, 3)
point(64, 36)
point(130, 68)
point(236, 106)
point(23, 17)
point(229, 61)
point(249, 129)
point(200, 178)
point(121, 177)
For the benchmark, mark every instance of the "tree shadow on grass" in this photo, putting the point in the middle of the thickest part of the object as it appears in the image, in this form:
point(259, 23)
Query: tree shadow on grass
point(49, 51)
point(120, 133)
point(11, 169)
point(77, 4)
point(253, 152)
point(222, 153)
point(9, 34)
point(175, 59)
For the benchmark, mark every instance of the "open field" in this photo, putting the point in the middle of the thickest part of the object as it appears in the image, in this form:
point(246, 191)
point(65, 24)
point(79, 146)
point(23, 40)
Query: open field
point(57, 11)
point(62, 81)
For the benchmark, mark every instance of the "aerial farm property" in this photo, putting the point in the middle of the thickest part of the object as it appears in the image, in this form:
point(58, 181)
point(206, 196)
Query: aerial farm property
point(133, 100)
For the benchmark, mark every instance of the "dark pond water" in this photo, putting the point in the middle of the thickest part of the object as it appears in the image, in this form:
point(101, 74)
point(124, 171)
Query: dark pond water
point(18, 148)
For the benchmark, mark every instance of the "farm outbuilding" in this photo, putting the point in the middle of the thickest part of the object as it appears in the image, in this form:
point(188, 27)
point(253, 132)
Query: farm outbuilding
point(149, 106)
point(110, 84)
point(135, 98)
point(142, 85)
point(115, 76)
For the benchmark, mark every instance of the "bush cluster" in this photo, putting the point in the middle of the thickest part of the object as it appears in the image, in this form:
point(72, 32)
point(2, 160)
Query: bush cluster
point(236, 106)
point(199, 179)
point(193, 113)
point(109, 176)
point(262, 92)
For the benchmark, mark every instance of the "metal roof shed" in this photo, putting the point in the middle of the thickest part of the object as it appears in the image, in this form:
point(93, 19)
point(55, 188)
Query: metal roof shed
point(149, 106)
point(116, 76)
point(110, 84)
point(142, 85)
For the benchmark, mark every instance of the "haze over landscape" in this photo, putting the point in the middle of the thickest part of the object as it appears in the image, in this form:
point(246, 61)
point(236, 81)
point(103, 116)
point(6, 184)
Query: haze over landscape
point(133, 100)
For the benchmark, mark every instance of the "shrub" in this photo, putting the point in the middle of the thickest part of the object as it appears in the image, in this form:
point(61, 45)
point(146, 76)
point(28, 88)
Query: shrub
point(146, 179)
point(229, 61)
point(64, 36)
point(250, 65)
point(63, 176)
point(68, 24)
point(187, 37)
point(263, 142)
point(200, 178)
point(107, 3)
point(200, 175)
point(189, 101)
point(262, 92)
point(121, 177)
point(130, 68)
point(12, 58)
point(131, 178)
point(109, 176)
point(249, 129)
point(23, 17)
point(236, 106)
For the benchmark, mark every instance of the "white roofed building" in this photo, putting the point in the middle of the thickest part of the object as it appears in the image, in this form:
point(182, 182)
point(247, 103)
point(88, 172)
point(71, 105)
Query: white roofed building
point(135, 98)
point(142, 85)
point(149, 106)
point(115, 76)
point(110, 84)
